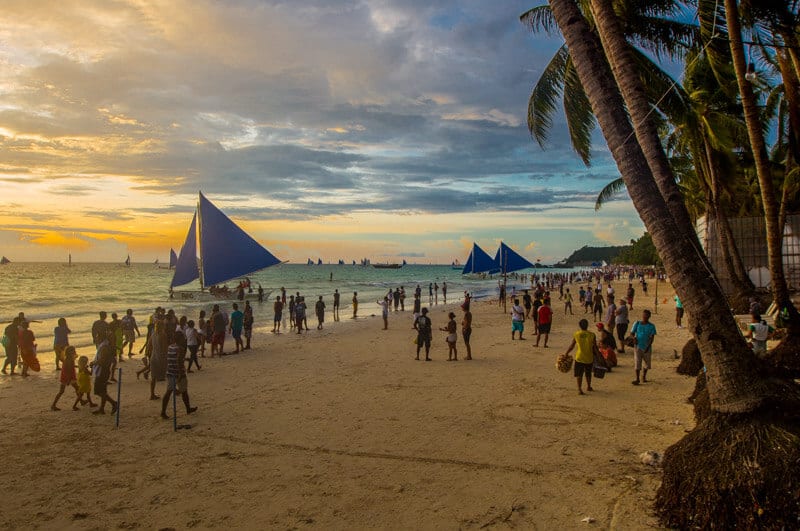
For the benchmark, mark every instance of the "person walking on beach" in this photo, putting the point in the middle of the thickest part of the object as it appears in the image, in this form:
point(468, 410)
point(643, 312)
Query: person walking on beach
point(61, 341)
point(384, 304)
point(218, 339)
point(11, 334)
point(545, 314)
point(568, 302)
point(158, 356)
point(336, 301)
point(586, 345)
point(355, 304)
point(192, 343)
point(27, 346)
point(67, 378)
point(236, 325)
point(277, 309)
point(621, 322)
point(84, 383)
point(116, 328)
point(597, 306)
point(451, 328)
point(527, 302)
point(402, 298)
point(645, 333)
point(517, 319)
point(106, 354)
point(177, 381)
point(99, 329)
point(129, 330)
point(417, 305)
point(320, 311)
point(444, 291)
point(679, 311)
point(396, 299)
point(202, 332)
point(466, 328)
point(247, 324)
point(424, 329)
point(629, 294)
point(430, 293)
point(610, 318)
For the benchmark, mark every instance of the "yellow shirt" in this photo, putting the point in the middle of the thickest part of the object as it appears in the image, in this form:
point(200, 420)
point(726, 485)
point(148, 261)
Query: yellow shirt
point(584, 341)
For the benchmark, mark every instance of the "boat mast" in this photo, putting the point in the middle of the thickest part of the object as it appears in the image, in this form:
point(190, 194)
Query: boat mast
point(199, 240)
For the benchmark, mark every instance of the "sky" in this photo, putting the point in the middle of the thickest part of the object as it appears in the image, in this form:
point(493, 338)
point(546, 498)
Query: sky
point(384, 129)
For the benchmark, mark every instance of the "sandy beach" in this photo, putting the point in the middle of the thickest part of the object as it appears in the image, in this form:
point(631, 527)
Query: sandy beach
point(343, 429)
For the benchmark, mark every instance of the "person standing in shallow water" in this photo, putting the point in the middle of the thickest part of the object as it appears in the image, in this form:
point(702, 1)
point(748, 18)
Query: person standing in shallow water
point(336, 301)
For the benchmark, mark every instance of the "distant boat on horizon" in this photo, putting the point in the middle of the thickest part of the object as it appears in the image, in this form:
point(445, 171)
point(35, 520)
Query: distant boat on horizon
point(69, 262)
point(128, 261)
point(4, 261)
point(389, 266)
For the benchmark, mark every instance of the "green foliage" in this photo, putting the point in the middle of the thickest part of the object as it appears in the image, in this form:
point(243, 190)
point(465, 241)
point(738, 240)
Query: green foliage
point(640, 252)
point(587, 255)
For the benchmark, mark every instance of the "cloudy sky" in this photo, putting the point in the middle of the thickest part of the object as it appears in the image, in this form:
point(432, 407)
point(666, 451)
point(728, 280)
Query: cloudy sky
point(325, 128)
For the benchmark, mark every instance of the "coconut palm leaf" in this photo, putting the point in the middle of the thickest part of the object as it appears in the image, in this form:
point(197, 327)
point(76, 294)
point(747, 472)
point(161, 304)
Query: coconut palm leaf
point(609, 191)
point(545, 94)
point(540, 18)
point(580, 118)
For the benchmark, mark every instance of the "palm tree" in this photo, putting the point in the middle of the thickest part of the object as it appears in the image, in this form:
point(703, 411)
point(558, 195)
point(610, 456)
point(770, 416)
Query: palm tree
point(735, 388)
point(769, 200)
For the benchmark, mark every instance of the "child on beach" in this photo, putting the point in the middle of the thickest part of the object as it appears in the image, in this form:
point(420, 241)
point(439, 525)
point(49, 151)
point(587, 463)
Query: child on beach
point(67, 377)
point(452, 353)
point(84, 383)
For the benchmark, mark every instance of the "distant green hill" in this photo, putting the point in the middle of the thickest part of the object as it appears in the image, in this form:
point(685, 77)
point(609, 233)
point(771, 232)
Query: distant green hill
point(586, 255)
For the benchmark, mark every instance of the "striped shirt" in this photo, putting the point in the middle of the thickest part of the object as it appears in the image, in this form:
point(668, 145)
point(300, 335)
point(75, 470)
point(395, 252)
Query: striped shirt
point(173, 367)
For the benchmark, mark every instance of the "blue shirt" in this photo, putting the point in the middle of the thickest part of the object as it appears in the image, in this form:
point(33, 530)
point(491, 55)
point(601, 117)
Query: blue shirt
point(237, 320)
point(643, 333)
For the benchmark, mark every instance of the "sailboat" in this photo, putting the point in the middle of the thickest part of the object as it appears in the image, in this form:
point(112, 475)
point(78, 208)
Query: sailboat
point(69, 263)
point(173, 259)
point(310, 262)
point(319, 261)
point(479, 262)
point(225, 252)
point(128, 261)
point(508, 260)
point(341, 262)
point(4, 261)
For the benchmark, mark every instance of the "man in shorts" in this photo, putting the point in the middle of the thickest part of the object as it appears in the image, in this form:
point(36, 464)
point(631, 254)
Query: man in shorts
point(517, 319)
point(586, 345)
point(545, 314)
point(645, 333)
point(218, 326)
point(236, 325)
point(424, 329)
point(176, 378)
point(278, 310)
point(129, 330)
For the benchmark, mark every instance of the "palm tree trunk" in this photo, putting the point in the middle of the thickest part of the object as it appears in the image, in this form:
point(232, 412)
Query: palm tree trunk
point(734, 385)
point(744, 287)
point(629, 80)
point(780, 288)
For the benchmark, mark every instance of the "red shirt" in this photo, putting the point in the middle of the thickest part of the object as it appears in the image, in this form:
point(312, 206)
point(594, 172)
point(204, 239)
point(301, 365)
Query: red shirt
point(545, 315)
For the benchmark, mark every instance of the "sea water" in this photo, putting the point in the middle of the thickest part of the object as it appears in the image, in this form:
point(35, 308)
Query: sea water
point(48, 291)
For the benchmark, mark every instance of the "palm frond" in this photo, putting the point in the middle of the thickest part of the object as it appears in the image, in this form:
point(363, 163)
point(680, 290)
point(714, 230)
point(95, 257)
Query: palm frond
point(609, 191)
point(540, 18)
point(545, 94)
point(662, 37)
point(580, 118)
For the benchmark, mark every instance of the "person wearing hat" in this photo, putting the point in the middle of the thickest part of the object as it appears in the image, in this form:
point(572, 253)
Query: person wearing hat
point(423, 326)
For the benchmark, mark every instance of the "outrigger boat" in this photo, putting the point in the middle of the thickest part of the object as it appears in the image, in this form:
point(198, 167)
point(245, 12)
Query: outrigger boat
point(216, 251)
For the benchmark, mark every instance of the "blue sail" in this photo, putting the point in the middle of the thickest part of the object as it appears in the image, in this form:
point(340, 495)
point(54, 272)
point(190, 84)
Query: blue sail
point(507, 260)
point(227, 252)
point(186, 264)
point(479, 262)
point(173, 258)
